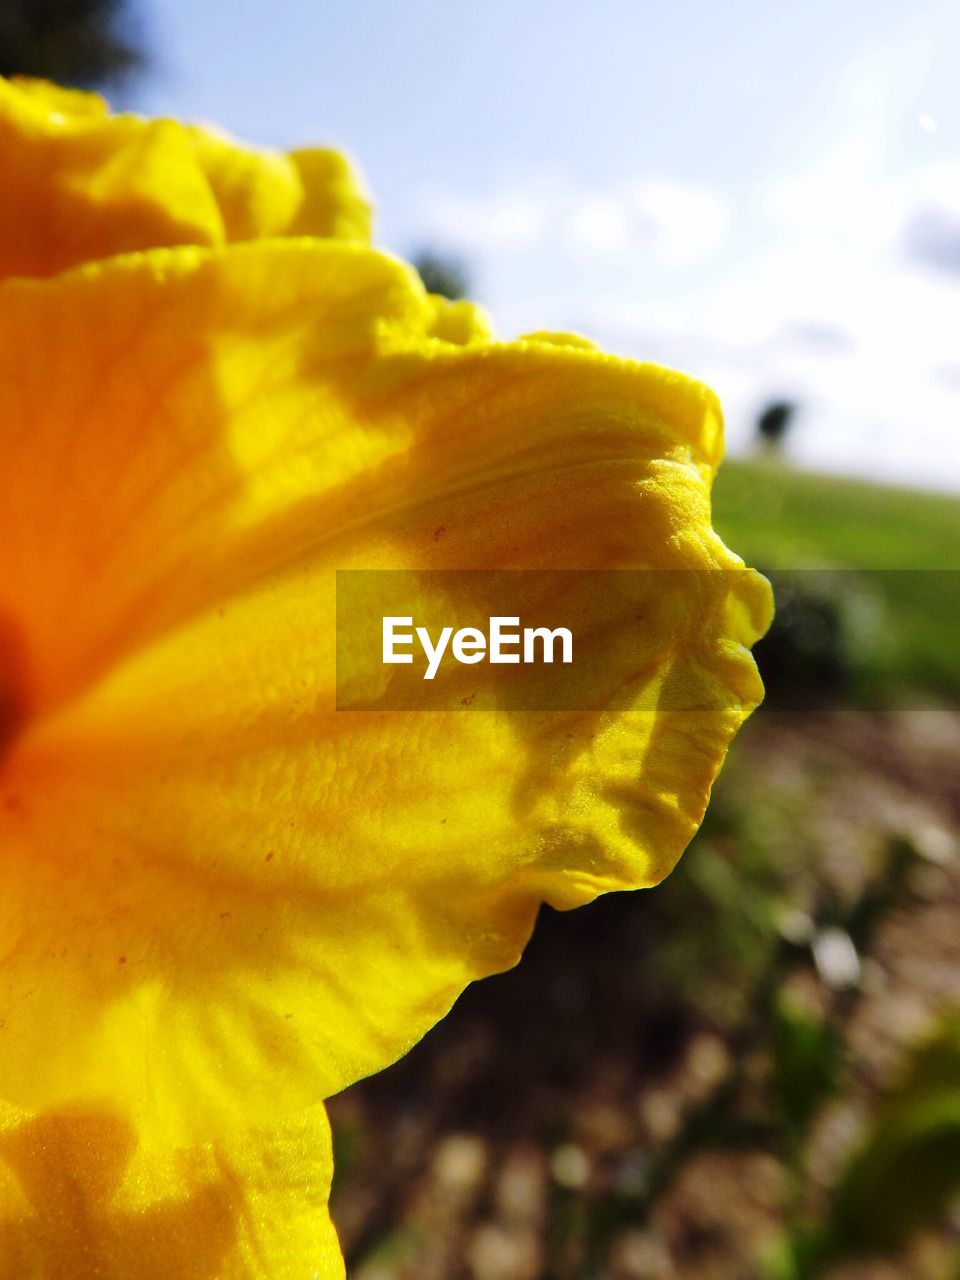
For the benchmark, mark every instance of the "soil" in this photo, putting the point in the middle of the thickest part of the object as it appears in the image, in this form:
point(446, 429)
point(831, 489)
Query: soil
point(580, 1117)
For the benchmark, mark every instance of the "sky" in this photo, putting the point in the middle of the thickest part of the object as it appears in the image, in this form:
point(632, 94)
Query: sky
point(763, 193)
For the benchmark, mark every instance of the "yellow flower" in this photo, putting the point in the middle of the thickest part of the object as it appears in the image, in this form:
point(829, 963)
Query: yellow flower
point(224, 900)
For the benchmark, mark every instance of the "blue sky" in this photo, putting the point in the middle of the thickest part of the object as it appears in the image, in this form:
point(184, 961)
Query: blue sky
point(764, 193)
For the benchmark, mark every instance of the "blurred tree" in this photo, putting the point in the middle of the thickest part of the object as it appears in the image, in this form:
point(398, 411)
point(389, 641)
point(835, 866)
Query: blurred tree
point(774, 422)
point(75, 42)
point(440, 274)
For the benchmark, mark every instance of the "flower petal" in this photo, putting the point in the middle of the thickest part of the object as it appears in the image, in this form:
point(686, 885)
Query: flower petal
point(81, 1200)
point(78, 184)
point(219, 887)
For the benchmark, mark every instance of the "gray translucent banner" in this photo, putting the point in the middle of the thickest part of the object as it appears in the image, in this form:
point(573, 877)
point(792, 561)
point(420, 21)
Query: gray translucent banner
point(544, 640)
point(659, 639)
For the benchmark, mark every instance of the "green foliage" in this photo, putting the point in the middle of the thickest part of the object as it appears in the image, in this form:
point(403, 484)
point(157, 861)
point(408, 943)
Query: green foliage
point(74, 42)
point(807, 1059)
point(806, 651)
point(774, 422)
point(907, 1169)
point(834, 636)
point(441, 274)
point(871, 598)
point(717, 965)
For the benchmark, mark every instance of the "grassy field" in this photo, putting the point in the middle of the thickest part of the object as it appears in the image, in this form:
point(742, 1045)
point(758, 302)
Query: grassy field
point(782, 518)
point(874, 564)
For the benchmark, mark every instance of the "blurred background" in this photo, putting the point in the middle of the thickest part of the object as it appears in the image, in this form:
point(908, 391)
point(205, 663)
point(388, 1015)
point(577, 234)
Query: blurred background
point(753, 1071)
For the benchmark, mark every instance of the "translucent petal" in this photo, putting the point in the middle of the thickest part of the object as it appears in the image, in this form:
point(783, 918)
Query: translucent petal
point(221, 893)
point(81, 1199)
point(78, 184)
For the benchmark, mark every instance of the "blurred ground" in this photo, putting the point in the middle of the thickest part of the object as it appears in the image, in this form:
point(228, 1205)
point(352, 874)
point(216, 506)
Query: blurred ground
point(753, 1070)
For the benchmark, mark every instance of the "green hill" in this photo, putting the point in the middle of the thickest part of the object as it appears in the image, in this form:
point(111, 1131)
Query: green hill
point(774, 515)
point(875, 565)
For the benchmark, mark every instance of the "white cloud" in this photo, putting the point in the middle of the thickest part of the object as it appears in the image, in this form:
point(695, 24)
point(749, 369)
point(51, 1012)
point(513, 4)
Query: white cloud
point(673, 223)
point(687, 221)
point(931, 228)
point(599, 224)
point(500, 220)
point(677, 223)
